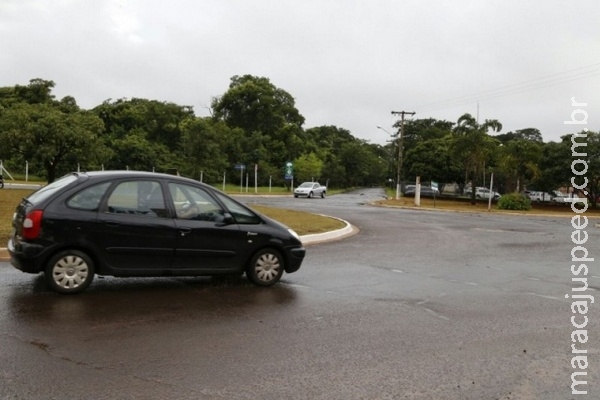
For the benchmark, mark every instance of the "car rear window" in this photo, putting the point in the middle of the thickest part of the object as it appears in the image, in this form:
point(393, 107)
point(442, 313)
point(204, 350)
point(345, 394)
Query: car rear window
point(49, 190)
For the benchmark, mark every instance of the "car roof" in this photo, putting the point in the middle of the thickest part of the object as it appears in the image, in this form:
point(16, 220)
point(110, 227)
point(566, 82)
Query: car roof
point(132, 174)
point(100, 175)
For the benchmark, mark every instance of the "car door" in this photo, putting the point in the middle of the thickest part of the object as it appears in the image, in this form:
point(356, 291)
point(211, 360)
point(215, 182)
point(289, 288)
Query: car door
point(136, 234)
point(206, 242)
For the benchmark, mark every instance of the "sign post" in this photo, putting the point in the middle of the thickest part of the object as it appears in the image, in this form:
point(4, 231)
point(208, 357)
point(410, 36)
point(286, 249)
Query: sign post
point(289, 173)
point(241, 168)
point(434, 186)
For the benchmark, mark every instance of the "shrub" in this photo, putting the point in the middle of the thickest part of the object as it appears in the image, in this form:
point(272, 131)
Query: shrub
point(514, 201)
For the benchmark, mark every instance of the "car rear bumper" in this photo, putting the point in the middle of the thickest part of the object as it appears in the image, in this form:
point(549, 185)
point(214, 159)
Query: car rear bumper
point(26, 257)
point(296, 255)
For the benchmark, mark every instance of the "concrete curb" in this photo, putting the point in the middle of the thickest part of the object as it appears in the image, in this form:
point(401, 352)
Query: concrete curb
point(347, 231)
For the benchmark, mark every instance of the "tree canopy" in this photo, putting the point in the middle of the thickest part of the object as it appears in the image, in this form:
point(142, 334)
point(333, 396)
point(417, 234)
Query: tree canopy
point(255, 123)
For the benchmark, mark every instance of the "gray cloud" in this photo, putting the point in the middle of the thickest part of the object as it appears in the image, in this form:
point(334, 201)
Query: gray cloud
point(347, 63)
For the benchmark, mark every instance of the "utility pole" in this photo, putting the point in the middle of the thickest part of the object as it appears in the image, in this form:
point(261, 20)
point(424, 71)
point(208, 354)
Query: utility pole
point(400, 148)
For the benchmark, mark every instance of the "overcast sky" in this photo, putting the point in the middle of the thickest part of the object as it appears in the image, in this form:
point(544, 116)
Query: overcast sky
point(347, 63)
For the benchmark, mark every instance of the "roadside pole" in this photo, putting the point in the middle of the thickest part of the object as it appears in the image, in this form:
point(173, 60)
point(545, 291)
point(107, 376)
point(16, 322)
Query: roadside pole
point(418, 192)
point(491, 192)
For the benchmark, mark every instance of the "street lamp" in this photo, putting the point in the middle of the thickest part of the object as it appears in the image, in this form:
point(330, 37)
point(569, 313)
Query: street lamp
point(399, 137)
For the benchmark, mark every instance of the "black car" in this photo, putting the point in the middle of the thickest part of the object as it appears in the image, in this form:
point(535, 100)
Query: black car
point(126, 224)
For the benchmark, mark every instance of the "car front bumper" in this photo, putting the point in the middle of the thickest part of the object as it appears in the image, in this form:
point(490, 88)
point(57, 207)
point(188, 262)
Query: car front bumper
point(295, 258)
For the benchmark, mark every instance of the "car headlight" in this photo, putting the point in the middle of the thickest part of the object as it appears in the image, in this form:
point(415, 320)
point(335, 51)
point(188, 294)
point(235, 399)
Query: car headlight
point(293, 233)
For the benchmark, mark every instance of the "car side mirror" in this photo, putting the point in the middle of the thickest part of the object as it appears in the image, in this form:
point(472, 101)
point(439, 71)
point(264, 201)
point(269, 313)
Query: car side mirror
point(226, 220)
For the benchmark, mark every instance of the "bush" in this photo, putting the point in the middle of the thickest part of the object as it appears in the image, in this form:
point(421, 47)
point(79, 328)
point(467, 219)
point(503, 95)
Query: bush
point(514, 201)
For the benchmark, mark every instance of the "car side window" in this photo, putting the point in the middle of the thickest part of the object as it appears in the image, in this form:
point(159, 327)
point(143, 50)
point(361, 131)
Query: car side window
point(89, 198)
point(241, 214)
point(194, 203)
point(138, 198)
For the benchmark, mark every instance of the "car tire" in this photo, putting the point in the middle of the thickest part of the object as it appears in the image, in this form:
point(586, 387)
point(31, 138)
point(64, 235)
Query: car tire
point(295, 196)
point(310, 195)
point(266, 267)
point(323, 195)
point(69, 272)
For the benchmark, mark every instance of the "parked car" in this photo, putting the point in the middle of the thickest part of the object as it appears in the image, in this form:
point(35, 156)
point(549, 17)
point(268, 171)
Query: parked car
point(538, 196)
point(124, 224)
point(310, 189)
point(482, 193)
point(562, 198)
point(426, 191)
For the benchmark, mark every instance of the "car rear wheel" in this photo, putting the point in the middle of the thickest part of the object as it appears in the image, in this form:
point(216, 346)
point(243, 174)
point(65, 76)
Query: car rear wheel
point(266, 267)
point(322, 195)
point(69, 272)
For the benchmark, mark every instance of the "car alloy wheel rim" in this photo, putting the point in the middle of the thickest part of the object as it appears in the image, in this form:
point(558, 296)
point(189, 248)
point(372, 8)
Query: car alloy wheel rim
point(70, 272)
point(267, 267)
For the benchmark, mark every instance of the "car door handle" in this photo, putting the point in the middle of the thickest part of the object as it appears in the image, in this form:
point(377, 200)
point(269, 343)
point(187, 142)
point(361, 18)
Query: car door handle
point(185, 231)
point(112, 224)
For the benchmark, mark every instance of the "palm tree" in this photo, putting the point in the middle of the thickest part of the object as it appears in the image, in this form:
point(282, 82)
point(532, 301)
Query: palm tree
point(472, 145)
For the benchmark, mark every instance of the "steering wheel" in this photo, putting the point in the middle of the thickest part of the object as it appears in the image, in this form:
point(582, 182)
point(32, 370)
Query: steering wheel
point(188, 211)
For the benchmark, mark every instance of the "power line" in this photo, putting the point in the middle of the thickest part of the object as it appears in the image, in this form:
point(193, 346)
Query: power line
point(517, 88)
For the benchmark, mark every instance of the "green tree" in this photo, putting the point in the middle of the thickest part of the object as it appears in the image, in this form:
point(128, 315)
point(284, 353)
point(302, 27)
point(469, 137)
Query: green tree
point(554, 165)
point(529, 134)
point(308, 167)
point(433, 160)
point(519, 160)
point(46, 136)
point(420, 130)
point(327, 142)
point(473, 146)
point(210, 148)
point(255, 104)
point(159, 121)
point(268, 117)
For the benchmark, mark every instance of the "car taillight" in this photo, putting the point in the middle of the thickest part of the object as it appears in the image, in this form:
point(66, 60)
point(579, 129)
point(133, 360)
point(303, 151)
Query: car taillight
point(32, 224)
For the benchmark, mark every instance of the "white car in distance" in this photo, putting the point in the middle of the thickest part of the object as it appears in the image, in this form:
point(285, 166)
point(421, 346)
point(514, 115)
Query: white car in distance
point(310, 189)
point(483, 193)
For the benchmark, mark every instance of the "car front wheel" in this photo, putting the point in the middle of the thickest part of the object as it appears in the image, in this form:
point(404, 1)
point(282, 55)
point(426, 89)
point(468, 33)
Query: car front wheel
point(69, 272)
point(266, 267)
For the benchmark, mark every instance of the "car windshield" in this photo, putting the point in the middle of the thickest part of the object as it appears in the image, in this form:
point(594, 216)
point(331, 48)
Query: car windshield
point(306, 185)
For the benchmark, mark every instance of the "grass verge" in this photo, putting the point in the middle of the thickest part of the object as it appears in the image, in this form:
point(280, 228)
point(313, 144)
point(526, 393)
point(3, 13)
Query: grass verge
point(301, 222)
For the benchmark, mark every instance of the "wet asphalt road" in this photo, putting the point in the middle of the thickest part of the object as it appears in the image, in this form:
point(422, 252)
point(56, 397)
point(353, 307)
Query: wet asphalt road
point(419, 304)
